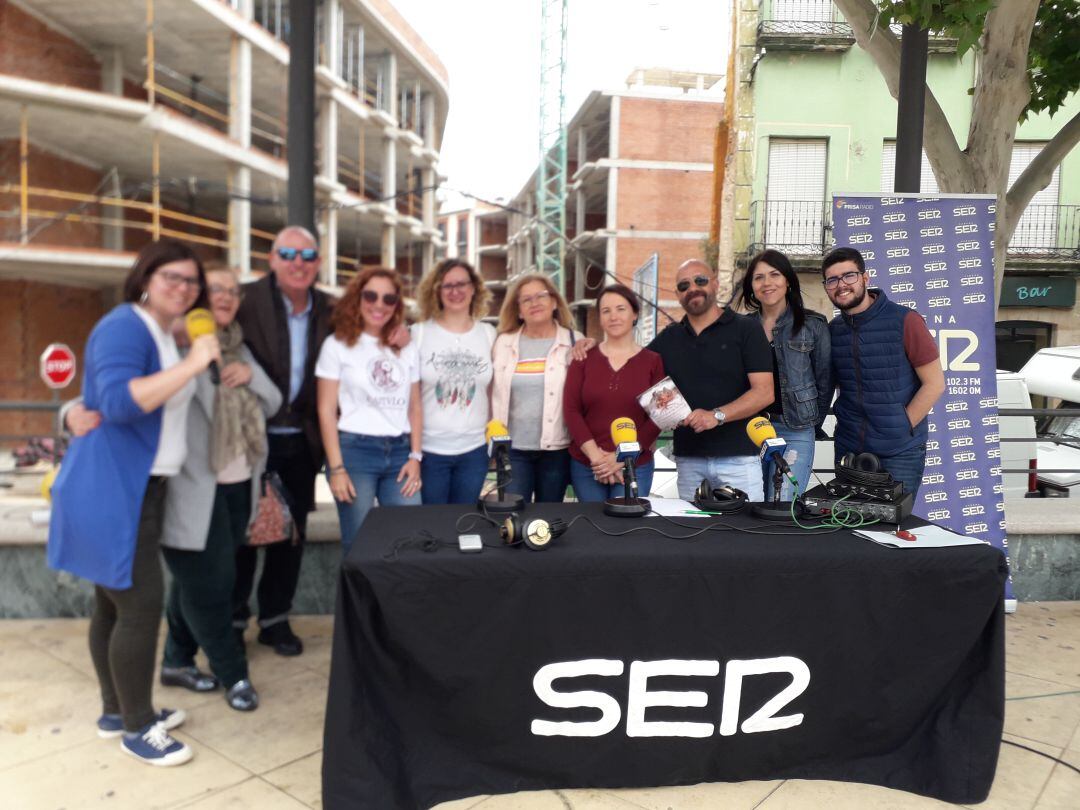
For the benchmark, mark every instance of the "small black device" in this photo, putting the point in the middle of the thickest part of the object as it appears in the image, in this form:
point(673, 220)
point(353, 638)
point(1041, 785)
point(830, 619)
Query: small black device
point(725, 499)
point(817, 502)
point(892, 492)
point(535, 534)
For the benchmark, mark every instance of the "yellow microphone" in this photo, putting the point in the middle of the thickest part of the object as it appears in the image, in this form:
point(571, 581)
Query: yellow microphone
point(199, 322)
point(624, 437)
point(497, 437)
point(763, 435)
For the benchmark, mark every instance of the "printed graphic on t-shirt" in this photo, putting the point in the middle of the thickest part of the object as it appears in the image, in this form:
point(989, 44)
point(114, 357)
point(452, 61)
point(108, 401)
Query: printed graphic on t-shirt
point(387, 374)
point(528, 365)
point(457, 370)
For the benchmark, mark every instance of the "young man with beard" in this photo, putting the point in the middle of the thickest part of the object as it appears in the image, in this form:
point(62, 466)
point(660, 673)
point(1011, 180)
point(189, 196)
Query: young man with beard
point(885, 364)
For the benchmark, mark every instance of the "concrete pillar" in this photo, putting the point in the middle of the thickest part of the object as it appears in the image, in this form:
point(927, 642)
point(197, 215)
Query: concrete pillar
point(328, 140)
point(429, 121)
point(332, 32)
point(112, 233)
point(582, 148)
point(390, 85)
point(328, 246)
point(389, 245)
point(427, 180)
point(240, 219)
point(427, 260)
point(389, 171)
point(112, 72)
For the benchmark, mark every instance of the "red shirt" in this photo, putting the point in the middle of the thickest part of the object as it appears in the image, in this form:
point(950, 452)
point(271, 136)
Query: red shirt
point(596, 395)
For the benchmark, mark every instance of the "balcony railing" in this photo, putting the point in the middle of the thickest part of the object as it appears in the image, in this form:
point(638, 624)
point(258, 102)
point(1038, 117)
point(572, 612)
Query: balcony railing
point(1047, 232)
point(795, 227)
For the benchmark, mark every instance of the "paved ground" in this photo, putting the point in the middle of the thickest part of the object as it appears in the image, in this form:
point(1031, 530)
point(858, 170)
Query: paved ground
point(51, 758)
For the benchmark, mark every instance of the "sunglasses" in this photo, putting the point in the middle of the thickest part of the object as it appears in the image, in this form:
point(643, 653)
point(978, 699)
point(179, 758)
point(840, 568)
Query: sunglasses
point(389, 299)
point(684, 285)
point(307, 254)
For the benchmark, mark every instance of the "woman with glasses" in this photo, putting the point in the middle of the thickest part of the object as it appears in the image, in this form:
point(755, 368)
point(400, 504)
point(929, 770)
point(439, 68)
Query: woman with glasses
point(604, 387)
point(455, 374)
point(800, 348)
point(370, 410)
point(109, 497)
point(531, 357)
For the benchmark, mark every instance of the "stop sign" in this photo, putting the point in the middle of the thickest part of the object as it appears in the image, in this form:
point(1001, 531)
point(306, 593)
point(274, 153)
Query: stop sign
point(57, 365)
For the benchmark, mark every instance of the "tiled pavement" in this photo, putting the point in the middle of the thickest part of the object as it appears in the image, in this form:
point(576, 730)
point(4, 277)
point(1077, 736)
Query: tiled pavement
point(51, 757)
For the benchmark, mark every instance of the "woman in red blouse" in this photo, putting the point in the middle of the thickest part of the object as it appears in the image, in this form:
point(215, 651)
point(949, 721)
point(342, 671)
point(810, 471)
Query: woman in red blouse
point(604, 387)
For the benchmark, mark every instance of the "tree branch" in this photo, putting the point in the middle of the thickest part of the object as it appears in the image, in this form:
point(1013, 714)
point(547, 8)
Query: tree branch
point(950, 164)
point(1039, 172)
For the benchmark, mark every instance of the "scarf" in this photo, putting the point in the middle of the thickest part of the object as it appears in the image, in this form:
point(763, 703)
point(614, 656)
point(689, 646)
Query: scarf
point(239, 424)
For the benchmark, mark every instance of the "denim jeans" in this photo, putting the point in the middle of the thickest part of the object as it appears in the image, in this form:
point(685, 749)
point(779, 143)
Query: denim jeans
point(373, 464)
point(741, 472)
point(589, 490)
point(454, 479)
point(800, 457)
point(543, 473)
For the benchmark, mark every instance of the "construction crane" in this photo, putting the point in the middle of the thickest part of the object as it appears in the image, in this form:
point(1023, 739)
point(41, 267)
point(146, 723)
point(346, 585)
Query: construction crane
point(551, 176)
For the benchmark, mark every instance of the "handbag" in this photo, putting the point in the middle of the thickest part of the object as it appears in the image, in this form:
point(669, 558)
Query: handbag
point(273, 518)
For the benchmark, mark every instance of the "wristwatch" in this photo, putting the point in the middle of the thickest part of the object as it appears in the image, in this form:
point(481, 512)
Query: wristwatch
point(416, 455)
point(719, 414)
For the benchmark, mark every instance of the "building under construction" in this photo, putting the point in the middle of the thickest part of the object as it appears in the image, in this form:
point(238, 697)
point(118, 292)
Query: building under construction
point(122, 121)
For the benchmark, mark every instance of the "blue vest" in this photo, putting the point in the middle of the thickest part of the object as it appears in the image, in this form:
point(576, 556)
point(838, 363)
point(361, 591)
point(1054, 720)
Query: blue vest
point(876, 381)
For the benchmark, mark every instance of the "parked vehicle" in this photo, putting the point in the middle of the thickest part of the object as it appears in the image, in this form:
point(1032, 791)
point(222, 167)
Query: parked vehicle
point(1055, 373)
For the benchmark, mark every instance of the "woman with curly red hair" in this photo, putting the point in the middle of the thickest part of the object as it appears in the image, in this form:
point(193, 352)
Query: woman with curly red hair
point(370, 411)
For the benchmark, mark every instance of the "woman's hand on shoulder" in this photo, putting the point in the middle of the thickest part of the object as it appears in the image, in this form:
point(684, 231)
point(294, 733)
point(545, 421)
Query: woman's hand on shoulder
point(581, 348)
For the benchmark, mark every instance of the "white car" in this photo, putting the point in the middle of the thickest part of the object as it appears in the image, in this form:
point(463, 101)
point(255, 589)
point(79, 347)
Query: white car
point(1055, 373)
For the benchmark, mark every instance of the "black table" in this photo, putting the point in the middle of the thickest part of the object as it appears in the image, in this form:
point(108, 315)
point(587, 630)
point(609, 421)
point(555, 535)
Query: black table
point(887, 666)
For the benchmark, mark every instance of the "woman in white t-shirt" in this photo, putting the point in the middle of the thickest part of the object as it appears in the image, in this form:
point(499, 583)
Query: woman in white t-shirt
point(455, 374)
point(369, 402)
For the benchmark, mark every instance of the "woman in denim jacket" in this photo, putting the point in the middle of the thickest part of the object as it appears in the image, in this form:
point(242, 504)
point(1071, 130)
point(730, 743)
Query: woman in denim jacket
point(800, 346)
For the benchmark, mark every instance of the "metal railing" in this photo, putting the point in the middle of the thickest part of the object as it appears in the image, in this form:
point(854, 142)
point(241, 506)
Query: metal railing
point(1047, 232)
point(795, 227)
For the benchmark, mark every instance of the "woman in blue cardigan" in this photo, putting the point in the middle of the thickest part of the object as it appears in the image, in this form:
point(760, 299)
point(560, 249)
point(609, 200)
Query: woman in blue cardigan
point(108, 499)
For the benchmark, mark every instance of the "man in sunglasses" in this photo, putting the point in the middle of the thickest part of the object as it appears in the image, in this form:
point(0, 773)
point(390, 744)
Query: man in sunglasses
point(722, 364)
point(285, 321)
point(885, 364)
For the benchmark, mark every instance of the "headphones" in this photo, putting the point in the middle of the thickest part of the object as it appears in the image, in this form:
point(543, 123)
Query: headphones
point(862, 468)
point(725, 499)
point(535, 534)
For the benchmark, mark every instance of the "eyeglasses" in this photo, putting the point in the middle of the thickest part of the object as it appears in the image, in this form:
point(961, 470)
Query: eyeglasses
point(229, 292)
point(849, 278)
point(684, 285)
point(307, 254)
point(539, 298)
point(390, 299)
point(176, 279)
point(455, 286)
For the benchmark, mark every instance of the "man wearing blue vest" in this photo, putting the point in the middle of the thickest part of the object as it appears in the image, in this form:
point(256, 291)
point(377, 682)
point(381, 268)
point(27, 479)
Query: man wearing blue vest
point(885, 364)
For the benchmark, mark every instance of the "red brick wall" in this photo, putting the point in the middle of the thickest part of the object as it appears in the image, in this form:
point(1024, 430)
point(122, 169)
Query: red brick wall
point(34, 51)
point(32, 316)
point(654, 129)
point(492, 268)
point(492, 232)
point(664, 200)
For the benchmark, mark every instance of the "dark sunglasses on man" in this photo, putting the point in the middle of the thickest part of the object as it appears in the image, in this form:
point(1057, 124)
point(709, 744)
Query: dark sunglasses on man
point(684, 285)
point(307, 254)
point(389, 299)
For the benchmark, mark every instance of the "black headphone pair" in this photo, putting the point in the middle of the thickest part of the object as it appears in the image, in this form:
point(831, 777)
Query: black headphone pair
point(862, 468)
point(535, 534)
point(725, 499)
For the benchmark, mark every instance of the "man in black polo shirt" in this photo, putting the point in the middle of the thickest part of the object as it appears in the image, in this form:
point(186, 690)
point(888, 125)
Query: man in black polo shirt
point(722, 364)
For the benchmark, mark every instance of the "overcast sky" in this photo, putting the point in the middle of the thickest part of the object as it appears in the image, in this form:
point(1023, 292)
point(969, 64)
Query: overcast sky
point(491, 49)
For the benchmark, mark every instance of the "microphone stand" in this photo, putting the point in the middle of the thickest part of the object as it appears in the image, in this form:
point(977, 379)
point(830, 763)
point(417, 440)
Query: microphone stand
point(500, 502)
point(629, 505)
point(777, 509)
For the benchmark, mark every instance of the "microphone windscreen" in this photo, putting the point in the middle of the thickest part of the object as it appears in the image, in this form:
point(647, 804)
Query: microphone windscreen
point(495, 430)
point(199, 322)
point(759, 430)
point(623, 430)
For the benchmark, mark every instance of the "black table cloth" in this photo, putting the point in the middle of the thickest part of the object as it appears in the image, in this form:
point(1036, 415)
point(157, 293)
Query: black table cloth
point(744, 654)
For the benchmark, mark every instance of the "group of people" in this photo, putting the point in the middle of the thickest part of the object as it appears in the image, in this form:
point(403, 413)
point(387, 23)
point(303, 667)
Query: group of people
point(173, 437)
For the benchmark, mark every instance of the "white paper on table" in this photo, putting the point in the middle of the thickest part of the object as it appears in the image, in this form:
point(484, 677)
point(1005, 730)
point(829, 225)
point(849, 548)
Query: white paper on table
point(925, 537)
point(672, 507)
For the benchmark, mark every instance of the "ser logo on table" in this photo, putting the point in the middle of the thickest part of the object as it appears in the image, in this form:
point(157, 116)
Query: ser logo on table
point(639, 698)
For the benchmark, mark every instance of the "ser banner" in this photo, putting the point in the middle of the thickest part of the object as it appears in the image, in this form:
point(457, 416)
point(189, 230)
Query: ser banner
point(936, 255)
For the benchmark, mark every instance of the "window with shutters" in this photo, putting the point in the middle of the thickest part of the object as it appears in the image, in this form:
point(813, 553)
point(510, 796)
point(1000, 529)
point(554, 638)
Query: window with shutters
point(927, 181)
point(1037, 230)
point(794, 217)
